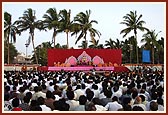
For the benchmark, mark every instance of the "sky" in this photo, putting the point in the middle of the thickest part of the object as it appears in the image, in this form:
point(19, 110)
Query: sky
point(108, 14)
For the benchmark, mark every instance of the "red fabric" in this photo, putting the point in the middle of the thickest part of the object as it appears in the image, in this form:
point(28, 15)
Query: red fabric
point(60, 55)
point(17, 109)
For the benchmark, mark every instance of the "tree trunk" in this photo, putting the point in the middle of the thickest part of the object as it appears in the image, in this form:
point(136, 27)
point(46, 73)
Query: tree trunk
point(54, 37)
point(8, 51)
point(153, 55)
point(34, 48)
point(54, 41)
point(85, 41)
point(137, 49)
point(67, 38)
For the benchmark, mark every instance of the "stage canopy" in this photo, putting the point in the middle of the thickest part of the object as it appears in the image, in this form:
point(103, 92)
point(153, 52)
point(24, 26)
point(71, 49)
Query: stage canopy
point(60, 55)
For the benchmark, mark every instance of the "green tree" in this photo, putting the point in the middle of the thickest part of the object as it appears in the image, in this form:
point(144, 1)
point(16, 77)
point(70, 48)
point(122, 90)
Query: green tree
point(13, 52)
point(160, 51)
point(10, 31)
point(96, 45)
point(83, 45)
point(65, 23)
point(118, 44)
point(41, 51)
point(133, 23)
point(150, 39)
point(85, 24)
point(128, 47)
point(110, 44)
point(28, 22)
point(52, 22)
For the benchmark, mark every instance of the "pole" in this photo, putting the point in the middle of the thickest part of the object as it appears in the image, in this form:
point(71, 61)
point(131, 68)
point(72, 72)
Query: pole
point(26, 53)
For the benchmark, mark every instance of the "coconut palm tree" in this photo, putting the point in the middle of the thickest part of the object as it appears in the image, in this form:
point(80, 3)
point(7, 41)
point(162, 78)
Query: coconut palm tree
point(133, 23)
point(28, 22)
point(51, 21)
point(83, 45)
point(65, 23)
point(96, 45)
point(110, 44)
point(118, 44)
point(85, 24)
point(151, 41)
point(10, 31)
point(160, 50)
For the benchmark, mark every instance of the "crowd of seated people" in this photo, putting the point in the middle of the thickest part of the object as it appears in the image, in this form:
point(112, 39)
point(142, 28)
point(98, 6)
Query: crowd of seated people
point(83, 91)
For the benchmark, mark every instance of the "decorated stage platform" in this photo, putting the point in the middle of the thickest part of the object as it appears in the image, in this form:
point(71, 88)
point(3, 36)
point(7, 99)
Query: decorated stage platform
point(79, 68)
point(84, 68)
point(84, 60)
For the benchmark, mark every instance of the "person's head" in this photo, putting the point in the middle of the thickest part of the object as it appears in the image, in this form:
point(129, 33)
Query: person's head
point(115, 88)
point(7, 88)
point(115, 98)
point(36, 108)
point(70, 95)
point(83, 86)
point(82, 100)
point(29, 95)
point(44, 87)
point(15, 102)
point(26, 99)
point(154, 96)
point(108, 93)
point(134, 94)
point(138, 100)
point(51, 83)
point(36, 89)
point(90, 106)
point(127, 107)
point(94, 86)
point(142, 97)
point(6, 97)
point(160, 101)
point(61, 105)
point(49, 94)
point(78, 87)
point(127, 101)
point(40, 100)
point(22, 89)
point(40, 88)
point(96, 101)
point(33, 103)
point(90, 95)
point(153, 106)
point(137, 108)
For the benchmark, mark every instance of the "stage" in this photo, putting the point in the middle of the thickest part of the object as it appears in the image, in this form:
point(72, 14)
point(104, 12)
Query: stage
point(84, 68)
point(81, 68)
point(84, 60)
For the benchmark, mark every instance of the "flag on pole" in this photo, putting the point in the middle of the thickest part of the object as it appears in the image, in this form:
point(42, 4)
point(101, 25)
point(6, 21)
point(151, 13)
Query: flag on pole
point(146, 56)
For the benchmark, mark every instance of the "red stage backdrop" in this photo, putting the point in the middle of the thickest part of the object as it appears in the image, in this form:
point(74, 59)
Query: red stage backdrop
point(60, 55)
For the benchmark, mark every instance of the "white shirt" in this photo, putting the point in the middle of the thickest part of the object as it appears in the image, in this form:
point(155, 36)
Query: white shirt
point(72, 104)
point(140, 105)
point(160, 108)
point(96, 93)
point(100, 108)
point(78, 93)
point(80, 108)
point(113, 106)
point(45, 108)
